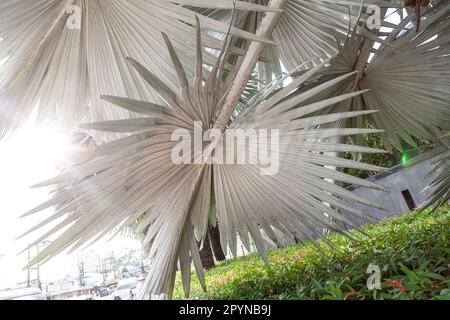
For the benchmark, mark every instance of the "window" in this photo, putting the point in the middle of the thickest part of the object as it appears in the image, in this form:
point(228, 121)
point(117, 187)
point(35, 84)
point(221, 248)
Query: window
point(412, 205)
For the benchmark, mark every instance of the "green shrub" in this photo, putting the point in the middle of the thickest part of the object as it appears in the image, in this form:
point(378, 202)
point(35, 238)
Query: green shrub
point(413, 252)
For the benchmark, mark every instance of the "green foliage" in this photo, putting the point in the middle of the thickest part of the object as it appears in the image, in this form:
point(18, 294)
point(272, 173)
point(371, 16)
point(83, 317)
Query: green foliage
point(413, 252)
point(386, 160)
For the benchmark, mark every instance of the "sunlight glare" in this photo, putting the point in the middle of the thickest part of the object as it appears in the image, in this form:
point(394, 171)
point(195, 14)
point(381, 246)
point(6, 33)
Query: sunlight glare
point(45, 148)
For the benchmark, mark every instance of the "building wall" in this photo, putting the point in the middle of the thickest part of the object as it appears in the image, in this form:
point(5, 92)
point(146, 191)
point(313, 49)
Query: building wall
point(412, 178)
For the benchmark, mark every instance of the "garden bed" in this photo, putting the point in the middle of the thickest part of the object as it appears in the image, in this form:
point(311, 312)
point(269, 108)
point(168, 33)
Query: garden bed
point(412, 251)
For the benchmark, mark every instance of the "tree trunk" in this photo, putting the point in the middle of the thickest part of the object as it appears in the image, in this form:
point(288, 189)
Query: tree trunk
point(206, 255)
point(214, 236)
point(252, 56)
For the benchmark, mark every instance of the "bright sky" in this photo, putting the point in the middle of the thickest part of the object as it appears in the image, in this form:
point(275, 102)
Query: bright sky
point(26, 158)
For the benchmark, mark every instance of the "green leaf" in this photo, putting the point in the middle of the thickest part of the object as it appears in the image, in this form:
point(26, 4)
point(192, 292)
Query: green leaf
point(411, 275)
point(431, 275)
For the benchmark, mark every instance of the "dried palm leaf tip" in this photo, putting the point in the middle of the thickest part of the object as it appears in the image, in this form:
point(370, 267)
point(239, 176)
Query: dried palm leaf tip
point(417, 4)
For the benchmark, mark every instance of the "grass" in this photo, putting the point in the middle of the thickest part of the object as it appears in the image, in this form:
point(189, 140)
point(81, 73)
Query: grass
point(412, 251)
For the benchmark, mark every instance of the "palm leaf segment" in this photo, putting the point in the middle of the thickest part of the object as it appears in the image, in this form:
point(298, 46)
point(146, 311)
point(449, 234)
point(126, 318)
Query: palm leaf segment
point(135, 174)
point(408, 78)
point(310, 29)
point(66, 70)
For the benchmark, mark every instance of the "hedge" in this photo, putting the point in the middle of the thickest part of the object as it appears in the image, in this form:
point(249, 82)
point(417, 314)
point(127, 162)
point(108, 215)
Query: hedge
point(412, 252)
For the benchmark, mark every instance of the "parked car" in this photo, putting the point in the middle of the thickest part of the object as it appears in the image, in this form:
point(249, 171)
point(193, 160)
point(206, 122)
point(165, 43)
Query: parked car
point(103, 292)
point(127, 289)
point(22, 294)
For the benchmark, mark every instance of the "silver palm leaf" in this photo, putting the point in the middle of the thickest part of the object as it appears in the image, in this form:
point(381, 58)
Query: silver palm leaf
point(315, 28)
point(310, 30)
point(136, 175)
point(408, 78)
point(66, 70)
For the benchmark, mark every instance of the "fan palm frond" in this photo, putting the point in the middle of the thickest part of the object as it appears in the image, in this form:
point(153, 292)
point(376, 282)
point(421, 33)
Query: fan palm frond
point(410, 81)
point(316, 28)
point(68, 69)
point(311, 29)
point(136, 175)
point(408, 78)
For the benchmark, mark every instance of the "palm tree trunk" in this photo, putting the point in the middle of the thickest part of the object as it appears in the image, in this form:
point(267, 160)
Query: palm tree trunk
point(254, 52)
point(214, 236)
point(251, 58)
point(206, 255)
